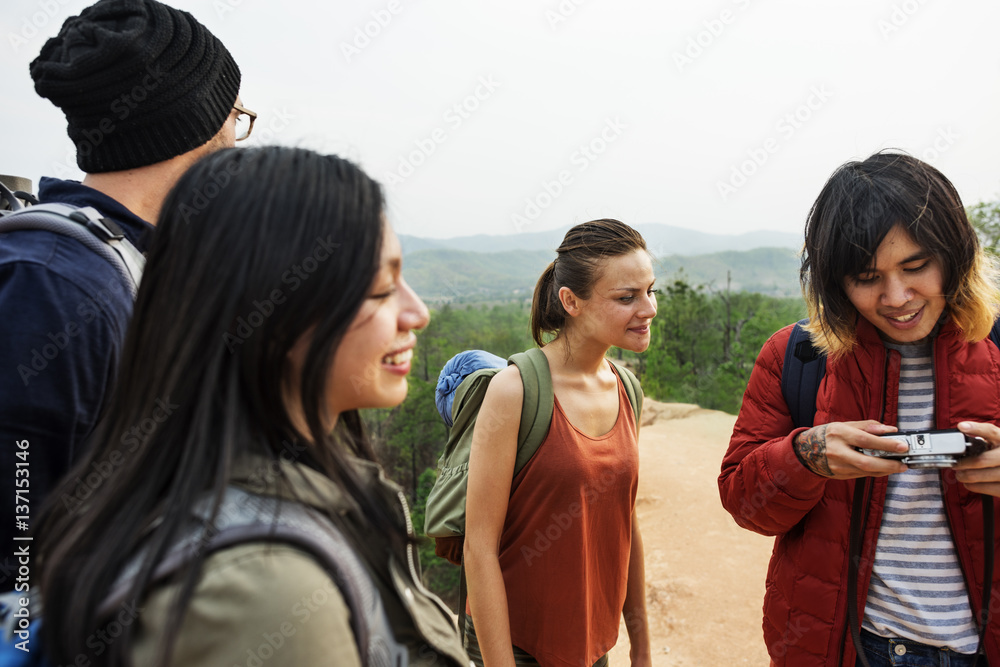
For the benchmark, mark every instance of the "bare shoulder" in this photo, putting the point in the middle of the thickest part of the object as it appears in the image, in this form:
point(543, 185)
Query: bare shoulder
point(506, 389)
point(500, 414)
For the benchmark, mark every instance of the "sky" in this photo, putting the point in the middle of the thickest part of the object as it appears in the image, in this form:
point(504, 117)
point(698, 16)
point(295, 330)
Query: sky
point(723, 116)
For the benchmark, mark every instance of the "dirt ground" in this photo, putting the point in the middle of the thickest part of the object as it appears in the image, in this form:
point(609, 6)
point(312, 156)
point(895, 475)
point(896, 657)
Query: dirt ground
point(704, 574)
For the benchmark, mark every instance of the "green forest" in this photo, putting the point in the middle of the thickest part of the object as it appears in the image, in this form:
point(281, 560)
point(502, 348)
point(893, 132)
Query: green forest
point(703, 347)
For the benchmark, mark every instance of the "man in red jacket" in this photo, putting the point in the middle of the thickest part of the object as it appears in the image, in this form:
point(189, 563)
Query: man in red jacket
point(877, 562)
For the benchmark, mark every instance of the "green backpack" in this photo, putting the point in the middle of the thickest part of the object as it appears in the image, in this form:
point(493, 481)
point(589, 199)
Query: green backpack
point(465, 379)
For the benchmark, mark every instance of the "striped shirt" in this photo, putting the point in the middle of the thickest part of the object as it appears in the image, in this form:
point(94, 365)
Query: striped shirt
point(917, 590)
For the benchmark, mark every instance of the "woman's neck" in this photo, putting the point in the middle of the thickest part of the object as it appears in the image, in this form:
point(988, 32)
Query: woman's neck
point(578, 353)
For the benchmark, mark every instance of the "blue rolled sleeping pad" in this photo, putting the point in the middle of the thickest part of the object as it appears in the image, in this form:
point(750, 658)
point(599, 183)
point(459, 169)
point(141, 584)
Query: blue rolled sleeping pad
point(457, 369)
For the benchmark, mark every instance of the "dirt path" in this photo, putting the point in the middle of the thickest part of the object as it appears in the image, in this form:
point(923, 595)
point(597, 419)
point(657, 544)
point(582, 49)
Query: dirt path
point(704, 574)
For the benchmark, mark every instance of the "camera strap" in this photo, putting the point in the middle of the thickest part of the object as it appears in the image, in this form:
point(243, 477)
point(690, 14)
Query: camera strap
point(859, 517)
point(988, 553)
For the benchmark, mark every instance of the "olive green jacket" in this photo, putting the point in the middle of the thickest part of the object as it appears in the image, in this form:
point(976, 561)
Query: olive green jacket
point(272, 604)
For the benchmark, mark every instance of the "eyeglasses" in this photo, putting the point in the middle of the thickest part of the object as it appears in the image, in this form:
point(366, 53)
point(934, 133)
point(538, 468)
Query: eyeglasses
point(244, 122)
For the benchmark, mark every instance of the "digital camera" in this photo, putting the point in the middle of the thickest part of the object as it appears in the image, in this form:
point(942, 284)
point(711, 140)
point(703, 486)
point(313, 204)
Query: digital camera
point(932, 449)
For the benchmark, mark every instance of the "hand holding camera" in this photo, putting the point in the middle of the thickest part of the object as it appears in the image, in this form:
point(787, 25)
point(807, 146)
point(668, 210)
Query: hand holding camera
point(932, 449)
point(834, 450)
point(981, 474)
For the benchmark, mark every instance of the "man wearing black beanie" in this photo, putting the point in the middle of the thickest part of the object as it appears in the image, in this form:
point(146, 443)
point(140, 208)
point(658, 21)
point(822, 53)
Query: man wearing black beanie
point(146, 90)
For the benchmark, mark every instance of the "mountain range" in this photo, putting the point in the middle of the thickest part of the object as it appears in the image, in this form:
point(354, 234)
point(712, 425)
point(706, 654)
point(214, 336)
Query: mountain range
point(489, 268)
point(660, 239)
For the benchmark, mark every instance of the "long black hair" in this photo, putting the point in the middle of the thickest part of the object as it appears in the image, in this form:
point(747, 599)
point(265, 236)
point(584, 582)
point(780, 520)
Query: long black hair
point(254, 249)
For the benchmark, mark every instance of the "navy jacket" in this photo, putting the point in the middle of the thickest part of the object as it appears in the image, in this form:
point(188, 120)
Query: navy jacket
point(63, 314)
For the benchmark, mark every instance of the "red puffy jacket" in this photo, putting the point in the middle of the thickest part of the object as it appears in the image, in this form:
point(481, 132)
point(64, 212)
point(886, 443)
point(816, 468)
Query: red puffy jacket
point(768, 490)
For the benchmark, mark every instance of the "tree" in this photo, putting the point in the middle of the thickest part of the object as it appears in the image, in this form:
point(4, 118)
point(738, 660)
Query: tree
point(408, 438)
point(439, 575)
point(985, 218)
point(682, 339)
point(703, 345)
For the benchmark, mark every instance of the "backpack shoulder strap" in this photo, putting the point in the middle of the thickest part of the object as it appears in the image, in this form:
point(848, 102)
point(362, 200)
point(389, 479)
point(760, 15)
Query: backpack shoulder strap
point(472, 390)
point(801, 373)
point(98, 233)
point(245, 517)
point(632, 388)
point(995, 332)
point(536, 409)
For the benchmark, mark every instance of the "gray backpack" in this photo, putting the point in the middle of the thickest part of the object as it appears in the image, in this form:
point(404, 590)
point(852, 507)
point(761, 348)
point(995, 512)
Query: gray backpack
point(247, 517)
point(243, 517)
point(98, 233)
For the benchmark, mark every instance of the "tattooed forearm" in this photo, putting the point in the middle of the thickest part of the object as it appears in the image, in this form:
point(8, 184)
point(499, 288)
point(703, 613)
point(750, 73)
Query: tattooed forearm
point(811, 449)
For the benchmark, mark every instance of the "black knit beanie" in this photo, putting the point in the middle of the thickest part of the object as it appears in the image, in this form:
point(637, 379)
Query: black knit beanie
point(139, 82)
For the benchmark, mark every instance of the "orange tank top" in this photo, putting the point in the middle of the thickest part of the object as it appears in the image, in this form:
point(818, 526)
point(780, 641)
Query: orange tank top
point(564, 550)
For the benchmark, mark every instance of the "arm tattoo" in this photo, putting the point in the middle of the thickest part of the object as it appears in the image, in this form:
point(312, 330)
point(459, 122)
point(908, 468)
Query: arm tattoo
point(810, 447)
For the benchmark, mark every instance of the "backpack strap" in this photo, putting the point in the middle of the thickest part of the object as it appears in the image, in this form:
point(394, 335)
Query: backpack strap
point(804, 368)
point(801, 374)
point(536, 418)
point(537, 405)
point(983, 617)
point(632, 389)
point(245, 517)
point(98, 233)
point(995, 332)
point(539, 401)
point(15, 192)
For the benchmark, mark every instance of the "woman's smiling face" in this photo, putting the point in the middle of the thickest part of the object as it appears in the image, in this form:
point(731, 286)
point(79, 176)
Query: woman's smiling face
point(373, 359)
point(371, 363)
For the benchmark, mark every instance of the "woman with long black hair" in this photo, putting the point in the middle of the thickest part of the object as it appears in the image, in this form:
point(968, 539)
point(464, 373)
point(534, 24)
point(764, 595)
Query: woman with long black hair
point(272, 308)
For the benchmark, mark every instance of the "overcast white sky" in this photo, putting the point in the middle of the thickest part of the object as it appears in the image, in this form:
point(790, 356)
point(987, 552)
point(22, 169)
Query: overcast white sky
point(724, 116)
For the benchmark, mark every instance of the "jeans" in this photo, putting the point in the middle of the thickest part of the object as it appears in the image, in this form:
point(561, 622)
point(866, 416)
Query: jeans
point(885, 652)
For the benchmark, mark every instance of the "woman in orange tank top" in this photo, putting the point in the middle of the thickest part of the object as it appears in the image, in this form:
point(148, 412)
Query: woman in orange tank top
point(554, 557)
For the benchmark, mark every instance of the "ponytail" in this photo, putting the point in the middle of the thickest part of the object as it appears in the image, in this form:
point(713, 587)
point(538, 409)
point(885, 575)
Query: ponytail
point(547, 312)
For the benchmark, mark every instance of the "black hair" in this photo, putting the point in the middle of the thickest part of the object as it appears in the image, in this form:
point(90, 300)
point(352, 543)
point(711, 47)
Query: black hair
point(857, 207)
point(254, 249)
